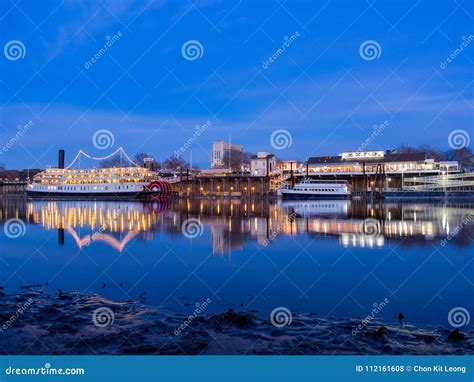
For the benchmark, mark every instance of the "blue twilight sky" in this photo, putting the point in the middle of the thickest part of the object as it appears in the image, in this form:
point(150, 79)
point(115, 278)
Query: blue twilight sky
point(319, 88)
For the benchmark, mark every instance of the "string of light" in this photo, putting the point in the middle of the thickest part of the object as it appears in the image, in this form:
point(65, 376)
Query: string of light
point(120, 149)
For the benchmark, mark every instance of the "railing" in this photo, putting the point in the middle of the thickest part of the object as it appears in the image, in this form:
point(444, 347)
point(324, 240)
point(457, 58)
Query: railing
point(440, 182)
point(441, 177)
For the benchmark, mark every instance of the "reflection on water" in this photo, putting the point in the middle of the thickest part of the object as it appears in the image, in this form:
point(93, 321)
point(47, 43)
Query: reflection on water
point(232, 223)
point(336, 258)
point(113, 223)
point(369, 225)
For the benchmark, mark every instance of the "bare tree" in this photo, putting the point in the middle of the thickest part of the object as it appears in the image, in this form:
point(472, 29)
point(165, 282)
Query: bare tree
point(139, 158)
point(233, 160)
point(464, 156)
point(119, 161)
point(431, 152)
point(116, 161)
point(175, 163)
point(246, 157)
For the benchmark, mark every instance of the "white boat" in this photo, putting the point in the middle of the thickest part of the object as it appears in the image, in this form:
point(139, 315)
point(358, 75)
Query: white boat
point(134, 182)
point(317, 189)
point(130, 182)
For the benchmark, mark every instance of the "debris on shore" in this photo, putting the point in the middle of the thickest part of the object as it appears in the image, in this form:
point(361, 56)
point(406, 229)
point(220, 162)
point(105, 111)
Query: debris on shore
point(90, 324)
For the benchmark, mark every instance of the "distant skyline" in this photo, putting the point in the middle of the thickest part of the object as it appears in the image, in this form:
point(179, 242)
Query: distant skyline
point(150, 72)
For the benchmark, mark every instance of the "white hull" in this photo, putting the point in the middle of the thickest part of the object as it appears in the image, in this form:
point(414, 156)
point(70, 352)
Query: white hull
point(314, 194)
point(120, 182)
point(311, 189)
point(85, 189)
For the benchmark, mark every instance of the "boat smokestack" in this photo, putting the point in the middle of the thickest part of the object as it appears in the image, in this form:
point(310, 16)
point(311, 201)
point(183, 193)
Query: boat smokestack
point(61, 159)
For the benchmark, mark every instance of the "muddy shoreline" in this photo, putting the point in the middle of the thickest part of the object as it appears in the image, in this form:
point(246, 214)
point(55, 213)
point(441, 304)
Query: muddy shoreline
point(38, 323)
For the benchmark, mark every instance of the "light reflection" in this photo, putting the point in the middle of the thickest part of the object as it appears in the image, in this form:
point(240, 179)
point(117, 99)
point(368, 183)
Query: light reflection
point(231, 223)
point(112, 223)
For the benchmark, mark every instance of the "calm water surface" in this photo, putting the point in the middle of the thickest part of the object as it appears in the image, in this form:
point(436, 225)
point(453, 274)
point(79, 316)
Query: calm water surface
point(333, 258)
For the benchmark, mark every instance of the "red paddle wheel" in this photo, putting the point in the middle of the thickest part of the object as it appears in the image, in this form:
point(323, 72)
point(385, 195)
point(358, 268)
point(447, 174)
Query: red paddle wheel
point(159, 188)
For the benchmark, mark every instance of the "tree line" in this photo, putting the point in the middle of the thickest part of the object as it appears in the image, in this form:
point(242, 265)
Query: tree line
point(176, 163)
point(464, 156)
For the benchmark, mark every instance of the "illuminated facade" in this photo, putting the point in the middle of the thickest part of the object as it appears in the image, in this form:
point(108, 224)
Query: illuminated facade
point(286, 166)
point(221, 150)
point(96, 180)
point(132, 181)
point(377, 161)
point(263, 164)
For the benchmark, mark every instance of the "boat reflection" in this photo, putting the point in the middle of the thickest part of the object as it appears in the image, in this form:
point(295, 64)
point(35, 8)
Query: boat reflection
point(234, 222)
point(88, 222)
point(371, 225)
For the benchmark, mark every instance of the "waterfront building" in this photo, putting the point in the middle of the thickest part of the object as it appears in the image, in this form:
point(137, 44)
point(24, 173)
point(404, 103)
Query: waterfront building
point(222, 150)
point(263, 164)
point(209, 172)
point(286, 166)
point(391, 162)
point(18, 175)
point(374, 171)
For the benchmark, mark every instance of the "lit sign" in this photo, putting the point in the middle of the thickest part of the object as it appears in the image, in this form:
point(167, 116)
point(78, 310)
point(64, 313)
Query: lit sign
point(362, 155)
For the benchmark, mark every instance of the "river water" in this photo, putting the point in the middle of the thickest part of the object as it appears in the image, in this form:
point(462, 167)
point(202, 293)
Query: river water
point(333, 258)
